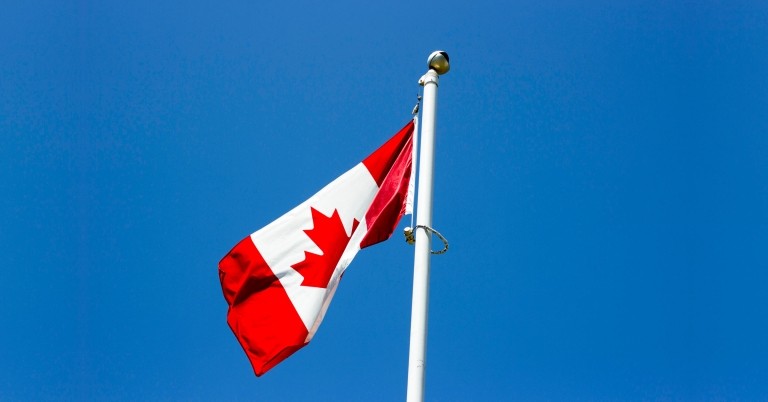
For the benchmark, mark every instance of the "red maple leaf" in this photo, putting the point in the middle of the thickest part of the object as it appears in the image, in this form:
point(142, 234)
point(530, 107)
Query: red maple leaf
point(329, 235)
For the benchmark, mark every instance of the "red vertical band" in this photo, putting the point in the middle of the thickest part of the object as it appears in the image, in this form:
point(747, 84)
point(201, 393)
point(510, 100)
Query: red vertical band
point(260, 314)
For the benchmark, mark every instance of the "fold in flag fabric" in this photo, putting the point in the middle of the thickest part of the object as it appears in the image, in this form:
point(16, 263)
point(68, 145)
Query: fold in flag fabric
point(279, 281)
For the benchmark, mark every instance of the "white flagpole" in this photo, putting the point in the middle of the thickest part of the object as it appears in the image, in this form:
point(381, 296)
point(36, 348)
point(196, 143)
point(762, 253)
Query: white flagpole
point(438, 65)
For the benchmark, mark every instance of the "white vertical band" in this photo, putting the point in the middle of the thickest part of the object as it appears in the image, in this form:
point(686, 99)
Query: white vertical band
point(414, 159)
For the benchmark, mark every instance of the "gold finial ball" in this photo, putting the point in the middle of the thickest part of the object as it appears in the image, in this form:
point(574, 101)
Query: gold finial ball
point(438, 61)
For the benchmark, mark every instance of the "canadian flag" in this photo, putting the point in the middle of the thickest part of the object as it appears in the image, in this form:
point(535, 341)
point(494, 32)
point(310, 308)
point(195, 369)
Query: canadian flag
point(279, 281)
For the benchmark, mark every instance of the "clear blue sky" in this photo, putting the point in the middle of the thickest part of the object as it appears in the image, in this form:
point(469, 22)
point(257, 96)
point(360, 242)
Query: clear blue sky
point(601, 173)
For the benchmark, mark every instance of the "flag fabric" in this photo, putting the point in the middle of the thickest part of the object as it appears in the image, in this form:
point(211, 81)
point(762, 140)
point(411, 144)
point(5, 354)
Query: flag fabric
point(279, 281)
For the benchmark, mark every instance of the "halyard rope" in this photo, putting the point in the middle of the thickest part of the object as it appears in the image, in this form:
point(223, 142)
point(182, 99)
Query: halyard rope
point(410, 238)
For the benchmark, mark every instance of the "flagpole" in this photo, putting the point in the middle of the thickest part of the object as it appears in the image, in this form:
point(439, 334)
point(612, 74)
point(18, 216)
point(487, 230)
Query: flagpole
point(438, 65)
